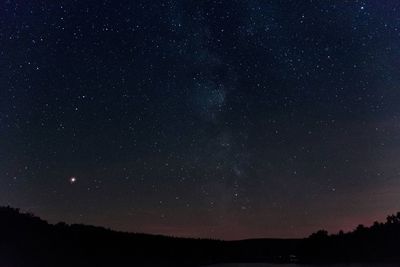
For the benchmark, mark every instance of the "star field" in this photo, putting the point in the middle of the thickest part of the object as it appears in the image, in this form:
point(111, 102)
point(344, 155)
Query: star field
point(223, 119)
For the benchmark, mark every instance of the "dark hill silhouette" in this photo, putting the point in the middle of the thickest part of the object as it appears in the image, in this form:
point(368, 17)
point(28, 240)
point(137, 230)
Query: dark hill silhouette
point(26, 240)
point(378, 243)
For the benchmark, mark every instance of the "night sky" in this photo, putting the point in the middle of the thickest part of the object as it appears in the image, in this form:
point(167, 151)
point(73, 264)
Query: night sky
point(222, 119)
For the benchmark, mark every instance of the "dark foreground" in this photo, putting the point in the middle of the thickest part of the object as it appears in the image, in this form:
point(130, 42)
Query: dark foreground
point(305, 265)
point(26, 240)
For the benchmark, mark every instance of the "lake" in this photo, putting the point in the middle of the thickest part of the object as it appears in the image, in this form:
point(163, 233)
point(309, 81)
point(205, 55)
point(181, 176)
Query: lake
point(302, 265)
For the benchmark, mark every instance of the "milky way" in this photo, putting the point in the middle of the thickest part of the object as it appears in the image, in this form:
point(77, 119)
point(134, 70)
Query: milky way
point(223, 119)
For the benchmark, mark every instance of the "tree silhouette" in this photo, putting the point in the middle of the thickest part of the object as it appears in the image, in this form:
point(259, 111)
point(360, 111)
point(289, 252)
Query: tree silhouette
point(26, 240)
point(320, 234)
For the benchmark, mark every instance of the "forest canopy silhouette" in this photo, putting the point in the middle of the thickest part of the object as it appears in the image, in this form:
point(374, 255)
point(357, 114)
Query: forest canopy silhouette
point(27, 240)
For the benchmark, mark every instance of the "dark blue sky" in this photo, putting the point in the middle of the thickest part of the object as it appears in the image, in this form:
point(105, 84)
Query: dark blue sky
point(223, 119)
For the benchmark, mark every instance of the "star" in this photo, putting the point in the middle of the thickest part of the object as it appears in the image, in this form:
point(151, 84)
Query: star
point(202, 104)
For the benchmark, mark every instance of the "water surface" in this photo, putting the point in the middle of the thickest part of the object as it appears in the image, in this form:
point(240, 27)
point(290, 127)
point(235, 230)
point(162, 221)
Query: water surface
point(302, 265)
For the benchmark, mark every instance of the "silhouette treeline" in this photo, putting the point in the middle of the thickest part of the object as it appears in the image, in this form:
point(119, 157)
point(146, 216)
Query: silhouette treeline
point(26, 240)
point(377, 243)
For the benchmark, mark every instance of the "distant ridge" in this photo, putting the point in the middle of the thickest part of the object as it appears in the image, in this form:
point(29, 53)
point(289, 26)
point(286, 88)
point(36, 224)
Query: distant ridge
point(27, 240)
